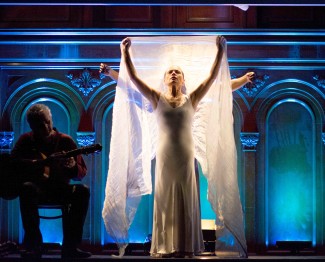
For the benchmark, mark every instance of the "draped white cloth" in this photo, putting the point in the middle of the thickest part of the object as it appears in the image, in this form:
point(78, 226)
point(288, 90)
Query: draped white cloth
point(134, 133)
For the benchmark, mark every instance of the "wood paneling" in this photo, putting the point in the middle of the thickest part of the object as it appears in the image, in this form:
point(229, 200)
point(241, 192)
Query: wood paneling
point(39, 16)
point(291, 17)
point(129, 13)
point(126, 16)
point(35, 14)
point(68, 16)
point(207, 17)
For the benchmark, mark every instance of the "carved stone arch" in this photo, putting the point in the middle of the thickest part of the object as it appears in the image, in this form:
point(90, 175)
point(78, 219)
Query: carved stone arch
point(283, 97)
point(239, 109)
point(44, 90)
point(63, 99)
point(289, 88)
point(242, 105)
point(101, 107)
point(238, 116)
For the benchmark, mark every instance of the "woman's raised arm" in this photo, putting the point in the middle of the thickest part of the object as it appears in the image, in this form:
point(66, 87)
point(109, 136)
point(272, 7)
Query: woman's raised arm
point(240, 81)
point(151, 94)
point(203, 88)
point(108, 71)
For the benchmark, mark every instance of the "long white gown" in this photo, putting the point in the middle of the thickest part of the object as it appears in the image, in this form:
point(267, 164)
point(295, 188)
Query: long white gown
point(134, 138)
point(176, 221)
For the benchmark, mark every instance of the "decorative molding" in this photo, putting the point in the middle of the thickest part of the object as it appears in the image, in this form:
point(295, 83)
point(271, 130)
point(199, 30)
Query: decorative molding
point(320, 81)
point(173, 2)
point(6, 139)
point(252, 88)
point(85, 81)
point(86, 138)
point(249, 141)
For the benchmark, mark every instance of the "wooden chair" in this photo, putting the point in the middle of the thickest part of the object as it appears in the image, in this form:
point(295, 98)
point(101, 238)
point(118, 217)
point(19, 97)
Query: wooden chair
point(51, 206)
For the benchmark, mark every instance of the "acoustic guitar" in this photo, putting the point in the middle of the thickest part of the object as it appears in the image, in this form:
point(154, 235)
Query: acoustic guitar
point(11, 177)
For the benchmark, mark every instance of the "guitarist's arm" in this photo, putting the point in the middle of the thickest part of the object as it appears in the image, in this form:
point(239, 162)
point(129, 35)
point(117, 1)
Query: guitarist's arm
point(81, 166)
point(30, 163)
point(75, 167)
point(24, 157)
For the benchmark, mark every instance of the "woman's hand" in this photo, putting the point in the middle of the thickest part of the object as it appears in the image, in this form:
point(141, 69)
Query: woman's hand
point(125, 44)
point(241, 81)
point(104, 69)
point(221, 43)
point(249, 77)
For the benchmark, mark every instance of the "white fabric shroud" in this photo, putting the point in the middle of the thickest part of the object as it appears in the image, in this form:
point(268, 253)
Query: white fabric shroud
point(134, 131)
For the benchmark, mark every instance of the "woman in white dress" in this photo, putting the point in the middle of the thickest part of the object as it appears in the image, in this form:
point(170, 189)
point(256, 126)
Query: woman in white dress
point(128, 180)
point(176, 226)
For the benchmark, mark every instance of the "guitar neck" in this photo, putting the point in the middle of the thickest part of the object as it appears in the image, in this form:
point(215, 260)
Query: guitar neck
point(83, 150)
point(71, 153)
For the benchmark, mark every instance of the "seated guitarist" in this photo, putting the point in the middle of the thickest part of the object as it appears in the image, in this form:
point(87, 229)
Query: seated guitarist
point(46, 180)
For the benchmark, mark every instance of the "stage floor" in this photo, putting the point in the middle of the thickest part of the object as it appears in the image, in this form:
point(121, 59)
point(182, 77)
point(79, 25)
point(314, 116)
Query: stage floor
point(57, 257)
point(139, 252)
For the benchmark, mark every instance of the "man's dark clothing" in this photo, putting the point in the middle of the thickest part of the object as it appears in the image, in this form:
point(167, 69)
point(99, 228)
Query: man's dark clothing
point(37, 189)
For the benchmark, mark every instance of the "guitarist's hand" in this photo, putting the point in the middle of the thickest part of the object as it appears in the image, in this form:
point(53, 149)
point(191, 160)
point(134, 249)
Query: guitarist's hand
point(70, 162)
point(66, 162)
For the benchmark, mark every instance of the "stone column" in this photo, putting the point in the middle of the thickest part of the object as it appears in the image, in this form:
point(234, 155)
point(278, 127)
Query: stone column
point(249, 142)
